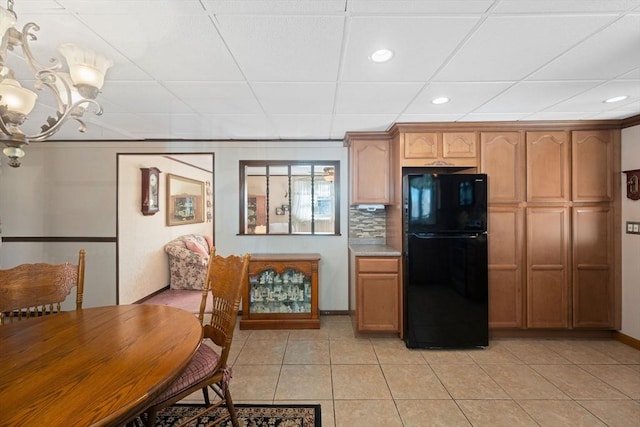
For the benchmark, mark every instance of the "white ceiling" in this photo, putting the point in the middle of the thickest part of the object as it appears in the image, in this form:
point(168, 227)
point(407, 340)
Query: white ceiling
point(299, 69)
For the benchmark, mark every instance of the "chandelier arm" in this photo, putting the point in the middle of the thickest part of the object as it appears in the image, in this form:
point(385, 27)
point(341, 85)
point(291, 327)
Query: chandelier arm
point(48, 78)
point(34, 65)
point(53, 125)
point(4, 128)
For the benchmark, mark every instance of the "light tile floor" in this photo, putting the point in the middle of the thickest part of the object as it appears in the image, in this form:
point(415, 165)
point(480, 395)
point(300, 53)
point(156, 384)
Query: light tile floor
point(372, 381)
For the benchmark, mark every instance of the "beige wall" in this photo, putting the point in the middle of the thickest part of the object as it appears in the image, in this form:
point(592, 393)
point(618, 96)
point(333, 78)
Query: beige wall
point(630, 242)
point(68, 189)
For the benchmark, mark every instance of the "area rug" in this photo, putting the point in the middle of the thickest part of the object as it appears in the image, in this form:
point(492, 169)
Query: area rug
point(248, 415)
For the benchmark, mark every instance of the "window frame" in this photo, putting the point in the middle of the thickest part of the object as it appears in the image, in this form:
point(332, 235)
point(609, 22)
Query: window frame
point(243, 196)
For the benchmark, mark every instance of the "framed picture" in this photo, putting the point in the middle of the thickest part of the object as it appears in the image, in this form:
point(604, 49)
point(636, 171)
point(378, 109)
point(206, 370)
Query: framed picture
point(185, 200)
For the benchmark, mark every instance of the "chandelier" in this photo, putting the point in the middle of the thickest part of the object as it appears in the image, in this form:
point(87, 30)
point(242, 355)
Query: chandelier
point(74, 90)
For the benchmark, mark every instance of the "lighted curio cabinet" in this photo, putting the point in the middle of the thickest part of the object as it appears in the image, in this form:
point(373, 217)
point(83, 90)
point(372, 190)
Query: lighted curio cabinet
point(281, 292)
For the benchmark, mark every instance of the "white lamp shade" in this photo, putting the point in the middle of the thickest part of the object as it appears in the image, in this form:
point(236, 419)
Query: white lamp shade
point(7, 20)
point(16, 98)
point(85, 66)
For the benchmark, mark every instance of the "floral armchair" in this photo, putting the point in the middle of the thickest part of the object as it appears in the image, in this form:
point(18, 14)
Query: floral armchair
point(188, 260)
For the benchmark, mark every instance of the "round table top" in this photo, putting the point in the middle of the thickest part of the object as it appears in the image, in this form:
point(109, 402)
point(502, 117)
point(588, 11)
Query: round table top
point(98, 366)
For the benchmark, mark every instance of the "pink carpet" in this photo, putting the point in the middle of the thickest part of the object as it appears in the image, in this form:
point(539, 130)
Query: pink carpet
point(185, 299)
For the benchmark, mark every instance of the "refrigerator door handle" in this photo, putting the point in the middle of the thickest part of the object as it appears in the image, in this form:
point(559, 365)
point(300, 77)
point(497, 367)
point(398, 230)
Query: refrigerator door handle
point(446, 236)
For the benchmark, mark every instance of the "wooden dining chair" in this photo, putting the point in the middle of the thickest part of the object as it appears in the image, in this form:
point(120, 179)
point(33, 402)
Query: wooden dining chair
point(32, 290)
point(208, 369)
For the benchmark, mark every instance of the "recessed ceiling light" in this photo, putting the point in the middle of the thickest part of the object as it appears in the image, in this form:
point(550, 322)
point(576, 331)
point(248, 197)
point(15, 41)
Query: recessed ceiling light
point(616, 99)
point(381, 55)
point(440, 100)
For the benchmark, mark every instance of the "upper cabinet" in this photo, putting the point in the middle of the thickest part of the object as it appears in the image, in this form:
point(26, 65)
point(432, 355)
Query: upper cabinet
point(548, 166)
point(369, 169)
point(439, 149)
point(592, 154)
point(503, 160)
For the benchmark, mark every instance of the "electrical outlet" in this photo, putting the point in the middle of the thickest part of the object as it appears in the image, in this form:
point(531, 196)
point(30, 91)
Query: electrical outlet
point(633, 227)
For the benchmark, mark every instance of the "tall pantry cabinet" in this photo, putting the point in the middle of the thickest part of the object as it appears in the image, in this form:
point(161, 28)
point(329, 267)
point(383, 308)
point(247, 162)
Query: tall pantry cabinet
point(551, 227)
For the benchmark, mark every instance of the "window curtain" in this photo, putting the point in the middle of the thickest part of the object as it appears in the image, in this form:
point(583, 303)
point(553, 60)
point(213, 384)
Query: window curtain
point(301, 204)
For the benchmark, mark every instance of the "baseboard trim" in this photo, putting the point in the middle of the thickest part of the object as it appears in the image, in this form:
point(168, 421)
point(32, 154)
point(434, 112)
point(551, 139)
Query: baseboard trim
point(626, 339)
point(549, 333)
point(140, 301)
point(334, 312)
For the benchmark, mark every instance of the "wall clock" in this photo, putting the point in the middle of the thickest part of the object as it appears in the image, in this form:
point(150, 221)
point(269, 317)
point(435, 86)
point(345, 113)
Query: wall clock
point(150, 190)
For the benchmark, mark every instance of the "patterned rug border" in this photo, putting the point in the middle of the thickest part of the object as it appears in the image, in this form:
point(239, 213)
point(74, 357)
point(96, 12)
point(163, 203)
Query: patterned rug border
point(317, 409)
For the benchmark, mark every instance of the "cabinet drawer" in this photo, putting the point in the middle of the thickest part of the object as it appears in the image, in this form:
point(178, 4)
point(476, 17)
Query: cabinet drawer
point(378, 265)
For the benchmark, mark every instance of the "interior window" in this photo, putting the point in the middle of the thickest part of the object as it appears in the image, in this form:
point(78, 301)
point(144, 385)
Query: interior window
point(282, 197)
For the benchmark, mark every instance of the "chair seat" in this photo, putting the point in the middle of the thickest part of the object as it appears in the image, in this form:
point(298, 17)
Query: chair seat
point(200, 367)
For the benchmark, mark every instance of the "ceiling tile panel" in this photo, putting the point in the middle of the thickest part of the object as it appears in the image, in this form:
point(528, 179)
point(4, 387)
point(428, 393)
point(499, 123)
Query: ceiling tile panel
point(185, 47)
point(296, 98)
point(216, 97)
point(343, 123)
point(463, 97)
point(375, 98)
point(510, 48)
point(564, 6)
point(302, 126)
point(285, 48)
point(150, 97)
point(247, 126)
point(534, 96)
point(608, 54)
point(411, 7)
point(270, 7)
point(593, 100)
point(415, 118)
point(420, 45)
point(155, 8)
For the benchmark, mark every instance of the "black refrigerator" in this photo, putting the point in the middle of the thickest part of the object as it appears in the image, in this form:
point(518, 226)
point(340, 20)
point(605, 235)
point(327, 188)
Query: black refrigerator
point(445, 256)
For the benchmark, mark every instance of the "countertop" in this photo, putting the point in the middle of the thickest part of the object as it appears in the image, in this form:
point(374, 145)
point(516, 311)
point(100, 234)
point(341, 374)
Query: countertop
point(373, 250)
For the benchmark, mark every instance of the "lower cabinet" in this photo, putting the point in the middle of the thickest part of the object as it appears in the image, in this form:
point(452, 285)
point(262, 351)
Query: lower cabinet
point(378, 301)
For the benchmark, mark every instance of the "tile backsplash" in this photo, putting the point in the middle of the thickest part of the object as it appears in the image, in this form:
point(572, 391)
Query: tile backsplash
point(367, 225)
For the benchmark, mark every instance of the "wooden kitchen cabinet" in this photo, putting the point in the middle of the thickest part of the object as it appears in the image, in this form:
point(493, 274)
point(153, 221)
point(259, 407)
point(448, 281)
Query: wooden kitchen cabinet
point(281, 292)
point(440, 149)
point(378, 299)
point(548, 166)
point(370, 169)
point(548, 267)
point(506, 273)
point(593, 286)
point(592, 166)
point(503, 160)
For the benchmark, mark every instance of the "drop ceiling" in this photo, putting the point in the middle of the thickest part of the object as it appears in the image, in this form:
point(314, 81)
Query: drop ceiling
point(300, 69)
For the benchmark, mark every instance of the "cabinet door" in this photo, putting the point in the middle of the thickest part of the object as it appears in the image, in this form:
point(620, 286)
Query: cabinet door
point(378, 301)
point(503, 160)
point(593, 299)
point(547, 267)
point(548, 166)
point(424, 145)
point(459, 145)
point(370, 171)
point(592, 155)
point(505, 243)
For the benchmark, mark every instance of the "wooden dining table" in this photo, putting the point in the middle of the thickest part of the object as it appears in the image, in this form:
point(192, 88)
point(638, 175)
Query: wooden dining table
point(95, 367)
